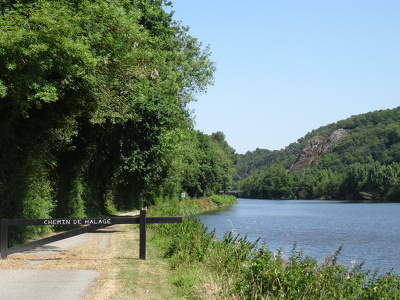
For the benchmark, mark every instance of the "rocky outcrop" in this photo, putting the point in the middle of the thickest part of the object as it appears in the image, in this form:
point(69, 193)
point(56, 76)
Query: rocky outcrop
point(335, 138)
point(315, 147)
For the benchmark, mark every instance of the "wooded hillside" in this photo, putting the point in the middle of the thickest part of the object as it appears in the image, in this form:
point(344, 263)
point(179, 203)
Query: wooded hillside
point(356, 158)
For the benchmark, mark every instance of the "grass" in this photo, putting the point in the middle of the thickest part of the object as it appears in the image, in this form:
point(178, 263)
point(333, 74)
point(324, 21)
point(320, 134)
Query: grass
point(234, 268)
point(125, 276)
point(185, 261)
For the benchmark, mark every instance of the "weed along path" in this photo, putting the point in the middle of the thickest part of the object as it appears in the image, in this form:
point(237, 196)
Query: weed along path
point(103, 264)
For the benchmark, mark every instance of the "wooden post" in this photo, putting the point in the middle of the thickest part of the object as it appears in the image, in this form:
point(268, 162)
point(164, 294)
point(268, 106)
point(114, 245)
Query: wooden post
point(142, 246)
point(3, 239)
point(88, 224)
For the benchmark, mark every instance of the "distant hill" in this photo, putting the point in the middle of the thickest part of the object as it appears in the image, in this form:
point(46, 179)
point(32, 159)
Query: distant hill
point(362, 140)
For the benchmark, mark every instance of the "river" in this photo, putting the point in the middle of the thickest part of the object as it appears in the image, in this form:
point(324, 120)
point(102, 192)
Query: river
point(369, 232)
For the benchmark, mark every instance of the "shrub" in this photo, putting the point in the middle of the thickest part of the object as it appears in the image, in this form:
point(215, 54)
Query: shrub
point(236, 269)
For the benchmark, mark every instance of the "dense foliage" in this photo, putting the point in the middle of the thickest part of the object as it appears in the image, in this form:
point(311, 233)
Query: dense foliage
point(93, 109)
point(363, 165)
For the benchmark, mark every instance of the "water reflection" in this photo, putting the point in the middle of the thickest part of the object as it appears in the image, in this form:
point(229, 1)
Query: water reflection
point(368, 231)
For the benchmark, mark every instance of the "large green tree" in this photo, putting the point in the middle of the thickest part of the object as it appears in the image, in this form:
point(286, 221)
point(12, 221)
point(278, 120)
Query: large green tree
point(92, 103)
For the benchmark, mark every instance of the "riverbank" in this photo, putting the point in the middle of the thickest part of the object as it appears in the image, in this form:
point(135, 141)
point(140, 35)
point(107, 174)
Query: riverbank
point(192, 207)
point(204, 267)
point(184, 261)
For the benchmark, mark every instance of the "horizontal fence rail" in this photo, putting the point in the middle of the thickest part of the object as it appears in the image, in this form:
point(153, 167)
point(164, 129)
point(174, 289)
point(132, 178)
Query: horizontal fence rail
point(87, 225)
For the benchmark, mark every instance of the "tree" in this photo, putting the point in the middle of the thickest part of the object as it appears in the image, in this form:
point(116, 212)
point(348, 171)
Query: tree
point(90, 95)
point(226, 159)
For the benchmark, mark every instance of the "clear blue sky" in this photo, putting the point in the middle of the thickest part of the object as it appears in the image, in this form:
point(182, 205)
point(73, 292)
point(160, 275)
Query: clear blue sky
point(286, 67)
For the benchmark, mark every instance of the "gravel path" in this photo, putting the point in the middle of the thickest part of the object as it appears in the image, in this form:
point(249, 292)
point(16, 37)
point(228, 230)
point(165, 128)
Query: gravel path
point(53, 271)
point(45, 284)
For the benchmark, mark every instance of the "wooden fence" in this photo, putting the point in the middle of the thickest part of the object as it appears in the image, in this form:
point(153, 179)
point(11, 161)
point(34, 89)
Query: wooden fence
point(86, 225)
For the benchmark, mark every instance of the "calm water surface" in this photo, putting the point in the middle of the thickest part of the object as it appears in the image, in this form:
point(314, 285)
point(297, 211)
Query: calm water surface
point(369, 232)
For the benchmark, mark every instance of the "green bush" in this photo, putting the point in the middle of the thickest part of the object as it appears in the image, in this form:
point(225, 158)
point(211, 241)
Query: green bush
point(270, 276)
point(223, 199)
point(192, 250)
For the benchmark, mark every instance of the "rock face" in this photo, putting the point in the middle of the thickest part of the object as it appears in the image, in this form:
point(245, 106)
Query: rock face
point(315, 147)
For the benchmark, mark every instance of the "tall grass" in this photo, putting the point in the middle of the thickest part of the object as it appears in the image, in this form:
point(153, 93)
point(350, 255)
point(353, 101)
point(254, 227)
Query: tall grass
point(270, 276)
point(234, 268)
point(191, 207)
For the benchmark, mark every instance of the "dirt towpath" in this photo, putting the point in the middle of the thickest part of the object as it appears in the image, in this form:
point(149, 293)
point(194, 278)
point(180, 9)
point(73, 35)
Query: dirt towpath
point(66, 269)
